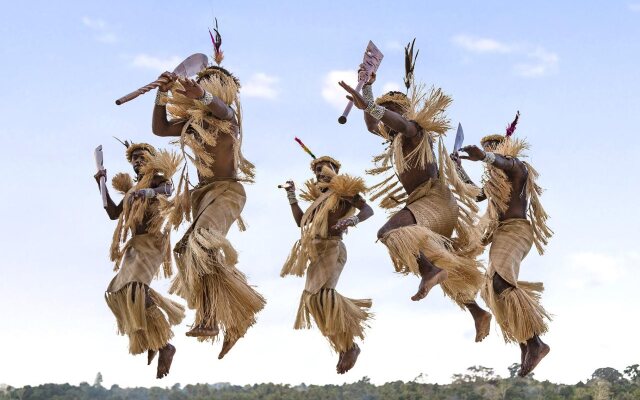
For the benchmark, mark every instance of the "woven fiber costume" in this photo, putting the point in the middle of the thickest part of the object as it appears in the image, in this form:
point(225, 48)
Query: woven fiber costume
point(441, 205)
point(138, 261)
point(322, 257)
point(207, 275)
point(517, 309)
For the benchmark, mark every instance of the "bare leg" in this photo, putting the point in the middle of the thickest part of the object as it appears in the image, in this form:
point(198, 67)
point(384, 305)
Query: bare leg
point(164, 360)
point(482, 320)
point(431, 275)
point(536, 351)
point(348, 359)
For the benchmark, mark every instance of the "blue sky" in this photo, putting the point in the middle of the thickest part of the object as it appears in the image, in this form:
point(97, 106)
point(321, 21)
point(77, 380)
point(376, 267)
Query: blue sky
point(570, 68)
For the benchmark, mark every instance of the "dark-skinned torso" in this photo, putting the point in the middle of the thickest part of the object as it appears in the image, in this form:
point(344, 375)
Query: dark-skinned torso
point(224, 165)
point(517, 205)
point(414, 176)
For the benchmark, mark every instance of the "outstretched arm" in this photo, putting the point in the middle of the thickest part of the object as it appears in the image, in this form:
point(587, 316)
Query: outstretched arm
point(113, 210)
point(497, 160)
point(390, 118)
point(365, 213)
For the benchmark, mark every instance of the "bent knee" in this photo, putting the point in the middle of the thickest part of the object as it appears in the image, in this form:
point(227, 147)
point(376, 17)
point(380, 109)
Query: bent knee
point(382, 232)
point(499, 284)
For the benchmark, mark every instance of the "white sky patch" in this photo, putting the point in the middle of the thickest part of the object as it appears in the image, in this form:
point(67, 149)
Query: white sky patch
point(156, 63)
point(538, 60)
point(262, 86)
point(635, 7)
point(481, 45)
point(393, 45)
point(332, 92)
point(101, 28)
point(389, 86)
point(592, 269)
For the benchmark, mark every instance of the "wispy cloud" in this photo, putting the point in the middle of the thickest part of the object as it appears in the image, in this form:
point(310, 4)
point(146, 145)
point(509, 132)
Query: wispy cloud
point(103, 32)
point(538, 60)
point(481, 45)
point(156, 63)
point(262, 86)
point(635, 7)
point(542, 62)
point(332, 92)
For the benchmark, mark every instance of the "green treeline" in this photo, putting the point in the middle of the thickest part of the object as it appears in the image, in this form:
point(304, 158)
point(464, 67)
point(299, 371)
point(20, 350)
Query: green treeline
point(478, 383)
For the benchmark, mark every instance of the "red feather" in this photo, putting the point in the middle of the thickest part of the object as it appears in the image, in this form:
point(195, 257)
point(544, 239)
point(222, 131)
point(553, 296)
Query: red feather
point(512, 127)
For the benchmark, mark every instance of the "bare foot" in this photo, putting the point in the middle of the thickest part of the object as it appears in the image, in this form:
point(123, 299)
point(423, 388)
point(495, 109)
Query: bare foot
point(483, 325)
point(536, 351)
point(227, 344)
point(202, 331)
point(348, 359)
point(164, 360)
point(151, 354)
point(427, 283)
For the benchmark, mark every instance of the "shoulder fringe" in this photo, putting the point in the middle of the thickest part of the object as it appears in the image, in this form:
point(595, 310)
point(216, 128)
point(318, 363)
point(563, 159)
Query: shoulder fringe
point(303, 252)
point(122, 182)
point(164, 164)
point(347, 185)
point(196, 115)
point(428, 111)
point(310, 192)
point(537, 215)
point(389, 189)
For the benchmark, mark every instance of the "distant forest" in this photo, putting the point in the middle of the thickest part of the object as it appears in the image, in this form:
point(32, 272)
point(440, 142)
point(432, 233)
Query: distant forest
point(477, 383)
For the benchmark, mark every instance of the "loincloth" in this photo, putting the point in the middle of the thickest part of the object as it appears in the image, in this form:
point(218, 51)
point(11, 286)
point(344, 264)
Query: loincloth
point(140, 261)
point(436, 212)
point(517, 309)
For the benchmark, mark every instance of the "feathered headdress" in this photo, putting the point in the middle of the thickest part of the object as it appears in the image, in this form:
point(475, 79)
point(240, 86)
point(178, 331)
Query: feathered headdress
point(409, 64)
point(400, 98)
point(131, 147)
point(218, 55)
point(511, 128)
point(317, 160)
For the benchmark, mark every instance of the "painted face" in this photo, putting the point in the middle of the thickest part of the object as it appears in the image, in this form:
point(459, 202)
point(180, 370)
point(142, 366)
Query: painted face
point(320, 177)
point(139, 159)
